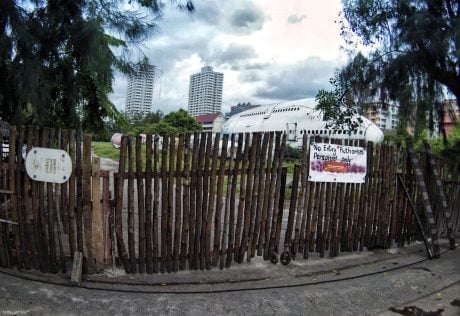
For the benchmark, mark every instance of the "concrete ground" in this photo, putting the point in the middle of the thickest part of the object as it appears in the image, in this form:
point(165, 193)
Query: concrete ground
point(384, 282)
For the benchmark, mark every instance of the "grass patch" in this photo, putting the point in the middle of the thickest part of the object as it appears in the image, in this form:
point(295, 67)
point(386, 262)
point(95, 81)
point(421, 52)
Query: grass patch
point(106, 150)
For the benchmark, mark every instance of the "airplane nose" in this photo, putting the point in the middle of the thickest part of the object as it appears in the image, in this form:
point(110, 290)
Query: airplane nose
point(374, 134)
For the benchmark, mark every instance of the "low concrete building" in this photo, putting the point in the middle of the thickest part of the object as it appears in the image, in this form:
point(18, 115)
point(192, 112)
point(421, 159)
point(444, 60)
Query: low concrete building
point(212, 122)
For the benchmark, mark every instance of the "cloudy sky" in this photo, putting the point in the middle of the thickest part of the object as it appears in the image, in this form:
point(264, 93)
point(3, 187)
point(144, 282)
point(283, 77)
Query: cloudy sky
point(268, 50)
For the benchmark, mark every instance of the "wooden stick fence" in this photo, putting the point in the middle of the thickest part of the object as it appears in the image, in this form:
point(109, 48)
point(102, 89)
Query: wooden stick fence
point(201, 201)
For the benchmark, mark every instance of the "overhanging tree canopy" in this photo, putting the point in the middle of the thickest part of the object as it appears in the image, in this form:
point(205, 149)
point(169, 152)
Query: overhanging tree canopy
point(414, 53)
point(57, 57)
point(411, 35)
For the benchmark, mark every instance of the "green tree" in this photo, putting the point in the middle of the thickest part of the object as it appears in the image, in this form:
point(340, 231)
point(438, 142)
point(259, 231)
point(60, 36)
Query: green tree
point(182, 121)
point(162, 128)
point(57, 57)
point(414, 56)
point(421, 37)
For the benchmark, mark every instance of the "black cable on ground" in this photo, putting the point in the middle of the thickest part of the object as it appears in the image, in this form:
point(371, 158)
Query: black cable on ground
point(273, 287)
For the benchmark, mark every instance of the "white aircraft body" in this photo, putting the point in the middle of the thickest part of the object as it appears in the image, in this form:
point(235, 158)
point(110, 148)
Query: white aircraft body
point(296, 118)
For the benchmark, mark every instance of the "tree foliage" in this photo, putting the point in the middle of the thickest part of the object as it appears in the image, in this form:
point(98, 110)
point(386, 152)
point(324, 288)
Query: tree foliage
point(413, 59)
point(182, 121)
point(57, 57)
point(156, 123)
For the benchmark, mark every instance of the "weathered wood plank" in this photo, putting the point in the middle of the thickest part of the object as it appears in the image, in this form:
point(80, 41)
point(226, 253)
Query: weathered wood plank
point(186, 204)
point(140, 205)
point(98, 226)
point(88, 264)
point(205, 198)
point(148, 204)
point(164, 204)
point(231, 232)
point(178, 203)
point(211, 202)
point(170, 209)
point(219, 201)
point(248, 200)
point(193, 183)
point(119, 189)
point(242, 196)
point(260, 192)
point(156, 205)
point(72, 220)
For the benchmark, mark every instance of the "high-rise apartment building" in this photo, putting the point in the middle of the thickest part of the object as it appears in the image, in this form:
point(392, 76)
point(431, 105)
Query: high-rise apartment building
point(139, 97)
point(384, 115)
point(205, 92)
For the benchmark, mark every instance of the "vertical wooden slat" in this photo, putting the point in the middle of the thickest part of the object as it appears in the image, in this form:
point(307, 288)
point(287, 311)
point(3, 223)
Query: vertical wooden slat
point(292, 210)
point(255, 193)
point(242, 196)
point(248, 200)
point(86, 196)
point(278, 202)
point(319, 224)
point(72, 221)
point(156, 207)
point(41, 203)
point(107, 220)
point(148, 204)
point(131, 236)
point(140, 205)
point(266, 200)
point(231, 226)
point(369, 206)
point(51, 213)
point(260, 192)
point(28, 208)
point(219, 202)
point(170, 210)
point(164, 204)
point(79, 179)
point(211, 202)
point(205, 197)
point(199, 203)
point(13, 197)
point(192, 219)
point(271, 200)
point(40, 243)
point(119, 204)
point(225, 228)
point(24, 241)
point(280, 212)
point(186, 204)
point(310, 215)
point(327, 218)
point(98, 228)
point(58, 207)
point(303, 198)
point(178, 203)
point(64, 187)
point(4, 247)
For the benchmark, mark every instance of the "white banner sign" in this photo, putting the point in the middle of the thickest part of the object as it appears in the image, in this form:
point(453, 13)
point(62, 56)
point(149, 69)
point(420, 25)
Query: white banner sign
point(48, 165)
point(337, 163)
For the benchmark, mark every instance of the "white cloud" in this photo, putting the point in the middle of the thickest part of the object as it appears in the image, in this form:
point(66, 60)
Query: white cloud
point(267, 50)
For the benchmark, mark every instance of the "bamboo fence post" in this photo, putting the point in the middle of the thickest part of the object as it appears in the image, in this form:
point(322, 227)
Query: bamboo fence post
point(148, 204)
point(97, 214)
point(140, 205)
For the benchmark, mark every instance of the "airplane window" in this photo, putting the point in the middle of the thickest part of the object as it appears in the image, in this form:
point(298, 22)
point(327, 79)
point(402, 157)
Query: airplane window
point(360, 132)
point(317, 132)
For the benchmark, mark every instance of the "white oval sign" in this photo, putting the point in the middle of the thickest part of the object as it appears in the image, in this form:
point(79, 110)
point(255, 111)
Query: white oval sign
point(48, 165)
